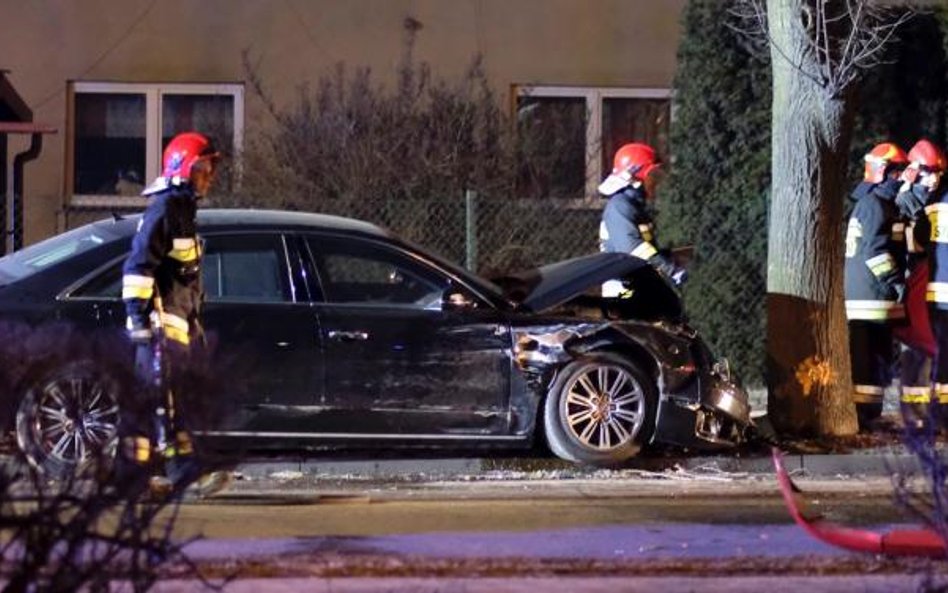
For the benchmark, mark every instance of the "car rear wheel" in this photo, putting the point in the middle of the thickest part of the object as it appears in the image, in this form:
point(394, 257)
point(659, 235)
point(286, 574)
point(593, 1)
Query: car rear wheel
point(600, 410)
point(68, 419)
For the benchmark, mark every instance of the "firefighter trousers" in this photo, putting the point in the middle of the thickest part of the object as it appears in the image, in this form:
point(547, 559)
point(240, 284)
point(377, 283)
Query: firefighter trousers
point(872, 356)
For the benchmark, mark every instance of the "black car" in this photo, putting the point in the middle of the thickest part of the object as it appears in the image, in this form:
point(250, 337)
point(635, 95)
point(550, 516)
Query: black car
point(361, 339)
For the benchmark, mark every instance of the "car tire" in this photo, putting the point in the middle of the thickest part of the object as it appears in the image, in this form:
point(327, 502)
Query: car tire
point(600, 410)
point(68, 419)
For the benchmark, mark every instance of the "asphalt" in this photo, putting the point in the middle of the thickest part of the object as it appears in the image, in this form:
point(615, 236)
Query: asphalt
point(655, 555)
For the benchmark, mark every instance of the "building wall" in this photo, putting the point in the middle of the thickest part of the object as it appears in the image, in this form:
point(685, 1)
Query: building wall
point(46, 43)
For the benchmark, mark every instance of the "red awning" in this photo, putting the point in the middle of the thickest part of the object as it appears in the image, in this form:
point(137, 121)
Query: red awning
point(25, 127)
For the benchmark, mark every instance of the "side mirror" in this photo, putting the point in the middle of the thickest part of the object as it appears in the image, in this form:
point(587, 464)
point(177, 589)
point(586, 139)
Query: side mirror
point(456, 298)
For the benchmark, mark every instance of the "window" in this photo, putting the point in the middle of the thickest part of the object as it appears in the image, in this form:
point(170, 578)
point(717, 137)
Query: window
point(366, 273)
point(245, 268)
point(235, 268)
point(569, 134)
point(56, 249)
point(120, 131)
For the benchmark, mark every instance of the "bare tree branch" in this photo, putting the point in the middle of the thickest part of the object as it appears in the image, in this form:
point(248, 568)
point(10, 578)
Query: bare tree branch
point(844, 37)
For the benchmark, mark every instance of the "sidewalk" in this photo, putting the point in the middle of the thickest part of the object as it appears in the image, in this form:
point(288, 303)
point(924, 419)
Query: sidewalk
point(877, 455)
point(871, 463)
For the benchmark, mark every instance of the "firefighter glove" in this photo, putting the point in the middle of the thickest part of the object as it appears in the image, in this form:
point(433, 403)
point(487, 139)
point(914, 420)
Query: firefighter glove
point(911, 200)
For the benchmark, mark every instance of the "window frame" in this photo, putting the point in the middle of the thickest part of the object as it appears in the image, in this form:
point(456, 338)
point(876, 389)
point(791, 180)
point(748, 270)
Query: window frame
point(410, 258)
point(153, 92)
point(594, 97)
point(286, 263)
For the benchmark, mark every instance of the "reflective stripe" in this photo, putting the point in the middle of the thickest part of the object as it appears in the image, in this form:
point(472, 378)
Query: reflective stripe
point(646, 231)
point(181, 447)
point(941, 393)
point(916, 395)
point(853, 234)
point(175, 328)
point(937, 292)
point(874, 310)
point(645, 250)
point(881, 264)
point(184, 250)
point(135, 286)
point(173, 333)
point(136, 292)
point(938, 221)
point(138, 449)
point(137, 280)
point(612, 289)
point(868, 394)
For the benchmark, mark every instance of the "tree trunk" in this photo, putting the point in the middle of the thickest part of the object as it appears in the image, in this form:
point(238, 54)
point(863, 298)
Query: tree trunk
point(807, 340)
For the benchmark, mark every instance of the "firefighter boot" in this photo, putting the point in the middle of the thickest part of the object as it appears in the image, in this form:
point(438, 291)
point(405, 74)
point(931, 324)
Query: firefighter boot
point(132, 467)
point(914, 403)
point(181, 464)
point(867, 415)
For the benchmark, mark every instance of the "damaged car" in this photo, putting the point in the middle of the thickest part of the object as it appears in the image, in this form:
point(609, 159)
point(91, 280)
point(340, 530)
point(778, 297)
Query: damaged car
point(348, 337)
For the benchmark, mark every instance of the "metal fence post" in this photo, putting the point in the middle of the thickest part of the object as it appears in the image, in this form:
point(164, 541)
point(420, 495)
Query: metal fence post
point(470, 230)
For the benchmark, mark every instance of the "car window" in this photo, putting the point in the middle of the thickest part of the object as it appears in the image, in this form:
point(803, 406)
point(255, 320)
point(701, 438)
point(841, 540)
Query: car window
point(54, 250)
point(245, 267)
point(364, 272)
point(107, 284)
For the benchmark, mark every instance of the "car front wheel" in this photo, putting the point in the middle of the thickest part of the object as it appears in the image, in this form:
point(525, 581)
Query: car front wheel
point(68, 418)
point(600, 410)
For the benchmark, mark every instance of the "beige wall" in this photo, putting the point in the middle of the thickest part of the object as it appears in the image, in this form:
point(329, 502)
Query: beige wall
point(45, 43)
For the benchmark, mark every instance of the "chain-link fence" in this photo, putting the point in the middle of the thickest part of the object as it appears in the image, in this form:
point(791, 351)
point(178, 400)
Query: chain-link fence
point(724, 295)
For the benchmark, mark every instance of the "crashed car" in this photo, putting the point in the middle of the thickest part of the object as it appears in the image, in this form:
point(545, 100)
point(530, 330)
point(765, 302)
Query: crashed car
point(351, 337)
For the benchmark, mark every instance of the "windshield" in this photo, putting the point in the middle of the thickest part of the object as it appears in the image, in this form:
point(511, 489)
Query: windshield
point(42, 255)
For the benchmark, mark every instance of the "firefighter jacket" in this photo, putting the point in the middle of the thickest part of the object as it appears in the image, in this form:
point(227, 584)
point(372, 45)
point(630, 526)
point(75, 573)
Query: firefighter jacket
point(875, 254)
point(627, 227)
point(936, 213)
point(165, 261)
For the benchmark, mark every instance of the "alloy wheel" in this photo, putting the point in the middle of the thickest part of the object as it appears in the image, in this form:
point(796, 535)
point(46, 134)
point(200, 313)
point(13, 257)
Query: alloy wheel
point(76, 419)
point(604, 407)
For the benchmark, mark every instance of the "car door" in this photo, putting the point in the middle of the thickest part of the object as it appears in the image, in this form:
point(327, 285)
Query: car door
point(263, 333)
point(396, 363)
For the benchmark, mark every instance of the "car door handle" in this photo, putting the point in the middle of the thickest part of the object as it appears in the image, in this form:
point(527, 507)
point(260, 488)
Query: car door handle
point(354, 336)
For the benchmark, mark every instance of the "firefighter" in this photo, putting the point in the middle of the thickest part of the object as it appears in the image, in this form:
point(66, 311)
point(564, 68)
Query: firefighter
point(874, 277)
point(626, 225)
point(161, 288)
point(922, 175)
point(926, 188)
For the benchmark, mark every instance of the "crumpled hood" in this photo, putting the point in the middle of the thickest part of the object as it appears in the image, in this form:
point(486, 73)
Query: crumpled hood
point(548, 286)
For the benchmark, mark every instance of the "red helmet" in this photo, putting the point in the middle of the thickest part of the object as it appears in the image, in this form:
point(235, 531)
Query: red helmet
point(632, 162)
point(182, 152)
point(882, 159)
point(179, 158)
point(927, 155)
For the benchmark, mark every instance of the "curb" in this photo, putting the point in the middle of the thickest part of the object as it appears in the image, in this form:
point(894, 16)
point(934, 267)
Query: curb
point(875, 464)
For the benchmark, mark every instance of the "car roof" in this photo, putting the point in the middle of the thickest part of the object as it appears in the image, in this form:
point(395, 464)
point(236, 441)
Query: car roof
point(223, 218)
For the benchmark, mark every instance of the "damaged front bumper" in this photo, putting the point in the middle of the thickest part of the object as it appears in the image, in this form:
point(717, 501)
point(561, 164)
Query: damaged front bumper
point(720, 418)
